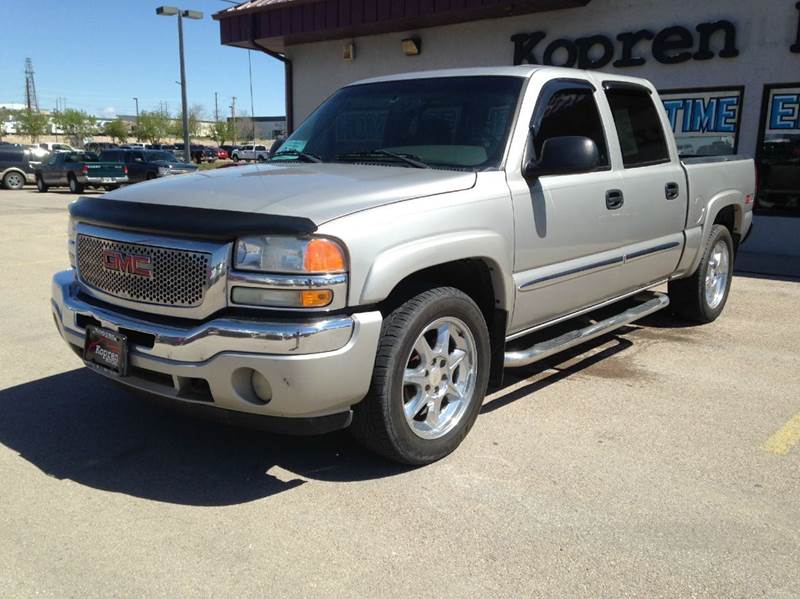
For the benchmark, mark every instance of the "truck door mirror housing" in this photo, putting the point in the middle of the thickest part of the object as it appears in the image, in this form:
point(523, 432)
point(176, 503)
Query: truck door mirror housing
point(567, 155)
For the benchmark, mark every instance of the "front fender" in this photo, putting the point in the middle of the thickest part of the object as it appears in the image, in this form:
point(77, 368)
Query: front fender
point(396, 263)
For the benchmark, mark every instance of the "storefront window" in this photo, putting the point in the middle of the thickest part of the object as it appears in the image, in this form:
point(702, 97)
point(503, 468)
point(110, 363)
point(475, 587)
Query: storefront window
point(705, 120)
point(778, 152)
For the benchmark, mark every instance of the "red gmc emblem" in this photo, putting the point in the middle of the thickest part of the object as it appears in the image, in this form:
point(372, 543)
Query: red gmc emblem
point(141, 266)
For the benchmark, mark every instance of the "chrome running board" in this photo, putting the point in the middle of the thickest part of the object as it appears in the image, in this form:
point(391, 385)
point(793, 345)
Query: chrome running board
point(545, 349)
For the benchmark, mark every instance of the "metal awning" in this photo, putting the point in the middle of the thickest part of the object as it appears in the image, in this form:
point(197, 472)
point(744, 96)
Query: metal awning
point(276, 24)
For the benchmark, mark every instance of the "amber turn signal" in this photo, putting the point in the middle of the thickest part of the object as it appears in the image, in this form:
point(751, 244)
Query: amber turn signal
point(317, 298)
point(324, 255)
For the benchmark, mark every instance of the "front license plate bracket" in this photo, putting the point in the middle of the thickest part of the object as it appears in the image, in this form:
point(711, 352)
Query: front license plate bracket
point(106, 349)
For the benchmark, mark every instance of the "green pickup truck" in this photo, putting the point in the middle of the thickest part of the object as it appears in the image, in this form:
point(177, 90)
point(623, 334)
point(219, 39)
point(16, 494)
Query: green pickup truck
point(78, 170)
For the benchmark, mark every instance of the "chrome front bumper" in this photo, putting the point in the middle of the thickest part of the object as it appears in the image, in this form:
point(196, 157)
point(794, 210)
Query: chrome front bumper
point(315, 367)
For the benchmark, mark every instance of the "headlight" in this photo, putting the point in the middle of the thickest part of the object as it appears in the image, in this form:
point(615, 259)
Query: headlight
point(163, 170)
point(290, 255)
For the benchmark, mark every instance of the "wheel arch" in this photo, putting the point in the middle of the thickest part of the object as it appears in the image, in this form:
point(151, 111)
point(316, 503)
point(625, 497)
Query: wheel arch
point(725, 208)
point(14, 169)
point(479, 277)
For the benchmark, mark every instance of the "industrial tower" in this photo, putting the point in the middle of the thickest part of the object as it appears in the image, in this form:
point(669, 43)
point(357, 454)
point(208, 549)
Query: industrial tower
point(30, 87)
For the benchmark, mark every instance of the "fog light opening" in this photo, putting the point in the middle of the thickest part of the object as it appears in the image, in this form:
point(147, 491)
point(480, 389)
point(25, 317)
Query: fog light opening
point(251, 386)
point(261, 387)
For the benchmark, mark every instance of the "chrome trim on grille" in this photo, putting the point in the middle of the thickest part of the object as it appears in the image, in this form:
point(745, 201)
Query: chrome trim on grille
point(214, 296)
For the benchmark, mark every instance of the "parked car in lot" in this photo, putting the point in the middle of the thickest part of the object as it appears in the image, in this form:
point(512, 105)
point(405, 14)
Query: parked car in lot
point(228, 148)
point(383, 278)
point(144, 165)
point(222, 154)
point(56, 147)
point(99, 146)
point(78, 170)
point(250, 152)
point(15, 167)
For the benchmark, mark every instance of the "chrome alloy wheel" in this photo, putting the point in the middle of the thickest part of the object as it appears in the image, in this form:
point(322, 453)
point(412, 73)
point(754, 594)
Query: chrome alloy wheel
point(717, 274)
point(439, 378)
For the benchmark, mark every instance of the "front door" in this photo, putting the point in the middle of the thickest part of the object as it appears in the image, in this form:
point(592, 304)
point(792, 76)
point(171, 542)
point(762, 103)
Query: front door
point(567, 227)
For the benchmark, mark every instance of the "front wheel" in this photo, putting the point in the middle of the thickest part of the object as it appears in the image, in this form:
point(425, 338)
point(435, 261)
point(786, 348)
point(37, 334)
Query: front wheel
point(702, 296)
point(40, 184)
point(429, 379)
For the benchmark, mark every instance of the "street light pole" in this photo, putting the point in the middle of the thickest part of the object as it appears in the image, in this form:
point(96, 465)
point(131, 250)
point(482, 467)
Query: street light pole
point(137, 118)
point(187, 151)
point(189, 14)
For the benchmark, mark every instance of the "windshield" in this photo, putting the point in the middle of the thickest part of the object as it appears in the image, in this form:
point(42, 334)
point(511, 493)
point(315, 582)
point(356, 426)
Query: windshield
point(162, 156)
point(447, 122)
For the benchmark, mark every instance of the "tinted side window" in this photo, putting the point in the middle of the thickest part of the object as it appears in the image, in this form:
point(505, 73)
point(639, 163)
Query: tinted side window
point(11, 156)
point(572, 112)
point(639, 129)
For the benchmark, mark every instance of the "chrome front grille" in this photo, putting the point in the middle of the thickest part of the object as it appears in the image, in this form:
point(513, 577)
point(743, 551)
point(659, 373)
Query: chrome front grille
point(173, 277)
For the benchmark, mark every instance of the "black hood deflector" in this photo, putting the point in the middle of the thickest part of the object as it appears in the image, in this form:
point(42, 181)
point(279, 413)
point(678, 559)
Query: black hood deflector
point(205, 223)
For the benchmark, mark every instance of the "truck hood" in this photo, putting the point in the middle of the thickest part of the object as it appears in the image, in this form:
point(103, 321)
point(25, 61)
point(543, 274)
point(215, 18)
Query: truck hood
point(320, 192)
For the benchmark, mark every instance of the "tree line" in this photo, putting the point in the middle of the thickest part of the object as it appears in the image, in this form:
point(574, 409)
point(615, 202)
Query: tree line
point(151, 126)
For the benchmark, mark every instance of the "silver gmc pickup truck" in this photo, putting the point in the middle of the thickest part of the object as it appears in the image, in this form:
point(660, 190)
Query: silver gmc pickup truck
point(416, 235)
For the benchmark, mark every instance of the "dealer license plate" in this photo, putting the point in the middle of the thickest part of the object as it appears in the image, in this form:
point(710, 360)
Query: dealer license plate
point(107, 349)
point(108, 180)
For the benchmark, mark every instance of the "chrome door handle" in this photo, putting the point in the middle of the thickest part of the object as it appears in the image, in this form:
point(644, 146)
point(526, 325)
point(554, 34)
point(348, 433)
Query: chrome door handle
point(614, 199)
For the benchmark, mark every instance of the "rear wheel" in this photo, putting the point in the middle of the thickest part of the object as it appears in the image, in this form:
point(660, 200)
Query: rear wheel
point(74, 186)
point(702, 297)
point(14, 180)
point(40, 184)
point(429, 380)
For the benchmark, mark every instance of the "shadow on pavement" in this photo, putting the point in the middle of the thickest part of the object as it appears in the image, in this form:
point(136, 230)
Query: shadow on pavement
point(562, 366)
point(81, 427)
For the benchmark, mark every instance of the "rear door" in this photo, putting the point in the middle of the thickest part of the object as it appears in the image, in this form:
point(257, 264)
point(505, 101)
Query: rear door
point(653, 185)
point(568, 253)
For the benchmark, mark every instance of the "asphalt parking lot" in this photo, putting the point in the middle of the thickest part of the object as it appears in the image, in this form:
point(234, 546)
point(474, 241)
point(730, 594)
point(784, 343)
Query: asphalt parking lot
point(655, 462)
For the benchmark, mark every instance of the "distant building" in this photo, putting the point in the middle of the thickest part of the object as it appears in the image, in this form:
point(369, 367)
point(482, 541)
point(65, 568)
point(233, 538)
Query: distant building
point(266, 127)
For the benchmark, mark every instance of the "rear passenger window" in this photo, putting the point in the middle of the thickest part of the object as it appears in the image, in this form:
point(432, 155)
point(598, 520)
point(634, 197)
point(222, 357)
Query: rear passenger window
point(641, 136)
point(572, 112)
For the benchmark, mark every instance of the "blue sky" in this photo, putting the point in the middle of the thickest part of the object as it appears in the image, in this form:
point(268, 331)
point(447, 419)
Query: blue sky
point(99, 54)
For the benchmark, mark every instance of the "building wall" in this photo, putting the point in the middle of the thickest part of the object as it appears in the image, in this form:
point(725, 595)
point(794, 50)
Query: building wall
point(765, 31)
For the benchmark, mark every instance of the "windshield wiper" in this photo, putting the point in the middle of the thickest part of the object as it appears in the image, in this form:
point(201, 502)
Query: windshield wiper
point(407, 158)
point(308, 157)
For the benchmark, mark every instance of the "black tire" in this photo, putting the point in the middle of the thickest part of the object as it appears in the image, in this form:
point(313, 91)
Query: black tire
point(74, 186)
point(688, 297)
point(40, 184)
point(379, 422)
point(14, 180)
point(261, 158)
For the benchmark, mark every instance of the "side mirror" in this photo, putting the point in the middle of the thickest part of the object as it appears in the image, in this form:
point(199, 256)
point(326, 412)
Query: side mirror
point(567, 155)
